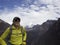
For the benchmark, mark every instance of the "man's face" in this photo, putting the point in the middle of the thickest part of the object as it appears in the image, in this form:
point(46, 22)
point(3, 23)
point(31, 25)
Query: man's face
point(16, 23)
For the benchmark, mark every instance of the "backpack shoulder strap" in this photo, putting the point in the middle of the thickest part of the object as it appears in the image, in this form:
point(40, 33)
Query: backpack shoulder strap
point(10, 29)
point(22, 30)
point(22, 33)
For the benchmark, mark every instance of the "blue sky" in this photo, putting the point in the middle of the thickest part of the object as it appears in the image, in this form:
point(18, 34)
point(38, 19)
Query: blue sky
point(30, 11)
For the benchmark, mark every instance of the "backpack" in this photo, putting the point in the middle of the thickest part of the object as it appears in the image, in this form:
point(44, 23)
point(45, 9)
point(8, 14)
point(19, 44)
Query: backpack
point(8, 37)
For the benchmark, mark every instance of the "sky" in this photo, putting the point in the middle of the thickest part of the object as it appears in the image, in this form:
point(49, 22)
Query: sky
point(31, 12)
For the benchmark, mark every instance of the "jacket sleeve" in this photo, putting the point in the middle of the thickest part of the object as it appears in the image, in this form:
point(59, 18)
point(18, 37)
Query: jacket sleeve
point(5, 34)
point(2, 42)
point(25, 34)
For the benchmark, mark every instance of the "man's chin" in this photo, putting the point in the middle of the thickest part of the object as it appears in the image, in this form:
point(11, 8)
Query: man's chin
point(17, 25)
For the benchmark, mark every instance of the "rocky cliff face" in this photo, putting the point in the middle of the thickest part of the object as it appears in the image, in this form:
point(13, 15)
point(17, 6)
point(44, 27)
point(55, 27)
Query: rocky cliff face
point(51, 37)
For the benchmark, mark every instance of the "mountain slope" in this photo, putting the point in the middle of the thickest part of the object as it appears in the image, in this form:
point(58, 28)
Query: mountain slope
point(3, 26)
point(35, 34)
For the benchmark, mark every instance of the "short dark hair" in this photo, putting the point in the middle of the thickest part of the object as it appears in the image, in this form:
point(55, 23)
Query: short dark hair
point(16, 19)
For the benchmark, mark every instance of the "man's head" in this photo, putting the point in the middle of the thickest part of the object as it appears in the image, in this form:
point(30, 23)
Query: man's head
point(16, 21)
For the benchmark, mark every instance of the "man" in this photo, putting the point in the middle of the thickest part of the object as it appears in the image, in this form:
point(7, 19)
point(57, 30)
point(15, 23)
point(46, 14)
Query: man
point(17, 33)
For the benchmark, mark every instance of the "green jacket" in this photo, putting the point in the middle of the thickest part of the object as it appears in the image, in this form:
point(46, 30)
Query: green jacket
point(16, 36)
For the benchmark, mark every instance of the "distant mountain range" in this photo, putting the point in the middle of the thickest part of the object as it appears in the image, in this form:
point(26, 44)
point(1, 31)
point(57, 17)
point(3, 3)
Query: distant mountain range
point(46, 34)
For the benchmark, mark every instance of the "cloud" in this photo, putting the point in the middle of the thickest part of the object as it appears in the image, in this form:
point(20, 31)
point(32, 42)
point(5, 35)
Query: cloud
point(28, 16)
